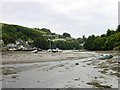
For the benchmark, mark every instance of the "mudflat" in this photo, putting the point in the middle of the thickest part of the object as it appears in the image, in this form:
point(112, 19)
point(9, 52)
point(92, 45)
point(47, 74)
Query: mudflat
point(66, 69)
point(14, 57)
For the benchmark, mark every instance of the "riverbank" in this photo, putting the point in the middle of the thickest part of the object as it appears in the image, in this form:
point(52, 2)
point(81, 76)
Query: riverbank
point(16, 57)
point(67, 69)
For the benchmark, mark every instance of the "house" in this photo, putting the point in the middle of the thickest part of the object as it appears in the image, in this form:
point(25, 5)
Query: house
point(58, 39)
point(11, 46)
point(22, 45)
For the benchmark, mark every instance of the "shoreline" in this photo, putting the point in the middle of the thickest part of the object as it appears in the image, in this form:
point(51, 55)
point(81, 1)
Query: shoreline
point(44, 56)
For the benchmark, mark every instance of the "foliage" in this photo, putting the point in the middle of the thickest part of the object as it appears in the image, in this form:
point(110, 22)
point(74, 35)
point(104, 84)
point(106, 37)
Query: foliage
point(66, 35)
point(40, 42)
point(107, 41)
point(118, 29)
point(38, 37)
point(14, 32)
point(66, 45)
point(109, 32)
point(46, 30)
point(7, 38)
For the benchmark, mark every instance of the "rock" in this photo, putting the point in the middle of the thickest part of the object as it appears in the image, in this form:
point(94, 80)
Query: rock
point(83, 65)
point(76, 63)
point(103, 71)
point(96, 84)
point(38, 81)
point(101, 77)
point(96, 77)
point(94, 62)
point(61, 65)
point(57, 89)
point(76, 79)
point(88, 63)
point(103, 65)
point(14, 76)
point(67, 68)
point(7, 71)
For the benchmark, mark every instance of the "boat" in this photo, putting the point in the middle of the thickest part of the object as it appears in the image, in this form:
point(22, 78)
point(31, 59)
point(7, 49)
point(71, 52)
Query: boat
point(106, 56)
point(54, 50)
point(35, 51)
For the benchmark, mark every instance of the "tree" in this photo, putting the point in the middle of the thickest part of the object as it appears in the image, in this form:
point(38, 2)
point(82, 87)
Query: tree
point(89, 44)
point(113, 41)
point(40, 42)
point(110, 32)
point(99, 43)
point(107, 41)
point(66, 35)
point(118, 29)
point(7, 38)
point(80, 40)
point(46, 30)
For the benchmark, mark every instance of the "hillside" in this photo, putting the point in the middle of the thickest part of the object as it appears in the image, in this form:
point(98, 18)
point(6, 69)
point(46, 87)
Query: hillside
point(35, 37)
point(10, 33)
point(45, 39)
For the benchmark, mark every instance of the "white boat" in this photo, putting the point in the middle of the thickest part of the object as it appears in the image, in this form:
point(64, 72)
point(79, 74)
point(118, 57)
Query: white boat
point(34, 51)
point(49, 50)
point(54, 50)
point(106, 56)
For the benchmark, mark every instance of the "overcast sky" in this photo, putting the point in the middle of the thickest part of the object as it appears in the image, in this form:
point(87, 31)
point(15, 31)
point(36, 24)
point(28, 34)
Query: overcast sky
point(77, 17)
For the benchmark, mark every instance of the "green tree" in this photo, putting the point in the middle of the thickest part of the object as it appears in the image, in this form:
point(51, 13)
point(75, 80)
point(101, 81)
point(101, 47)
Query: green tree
point(46, 30)
point(99, 43)
point(7, 38)
point(89, 44)
point(118, 28)
point(110, 32)
point(40, 43)
point(66, 35)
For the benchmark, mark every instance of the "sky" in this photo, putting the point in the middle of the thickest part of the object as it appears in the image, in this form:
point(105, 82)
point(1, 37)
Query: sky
point(77, 17)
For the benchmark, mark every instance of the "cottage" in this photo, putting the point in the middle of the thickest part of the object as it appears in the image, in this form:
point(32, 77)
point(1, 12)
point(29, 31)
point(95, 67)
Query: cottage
point(11, 46)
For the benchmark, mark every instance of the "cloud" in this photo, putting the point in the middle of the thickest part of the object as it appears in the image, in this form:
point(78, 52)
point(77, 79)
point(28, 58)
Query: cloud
point(78, 17)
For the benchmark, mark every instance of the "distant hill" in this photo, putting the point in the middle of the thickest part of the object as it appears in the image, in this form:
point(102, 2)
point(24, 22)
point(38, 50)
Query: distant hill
point(10, 33)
